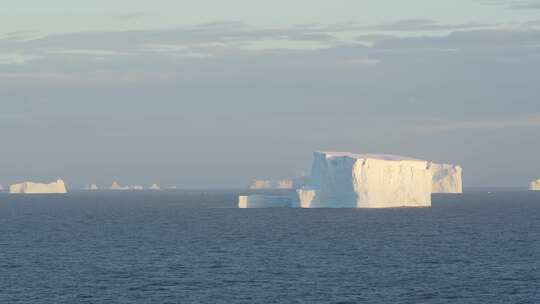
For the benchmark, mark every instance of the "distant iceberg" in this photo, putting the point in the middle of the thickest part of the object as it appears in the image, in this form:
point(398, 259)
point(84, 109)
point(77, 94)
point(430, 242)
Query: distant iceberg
point(263, 201)
point(38, 188)
point(91, 187)
point(535, 185)
point(260, 184)
point(116, 186)
point(285, 184)
point(154, 187)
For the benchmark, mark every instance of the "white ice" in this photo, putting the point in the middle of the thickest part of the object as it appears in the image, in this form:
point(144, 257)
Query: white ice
point(341, 179)
point(263, 201)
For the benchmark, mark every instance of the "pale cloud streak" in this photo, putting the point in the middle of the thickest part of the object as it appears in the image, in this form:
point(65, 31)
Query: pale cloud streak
point(130, 16)
point(516, 4)
point(210, 39)
point(526, 121)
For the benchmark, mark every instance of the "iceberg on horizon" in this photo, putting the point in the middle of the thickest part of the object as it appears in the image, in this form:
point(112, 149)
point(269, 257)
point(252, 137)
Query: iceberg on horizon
point(116, 186)
point(285, 184)
point(535, 185)
point(91, 187)
point(281, 184)
point(348, 180)
point(263, 201)
point(58, 187)
point(261, 184)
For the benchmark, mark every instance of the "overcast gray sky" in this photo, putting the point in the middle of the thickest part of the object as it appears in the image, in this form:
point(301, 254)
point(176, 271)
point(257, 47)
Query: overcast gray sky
point(214, 93)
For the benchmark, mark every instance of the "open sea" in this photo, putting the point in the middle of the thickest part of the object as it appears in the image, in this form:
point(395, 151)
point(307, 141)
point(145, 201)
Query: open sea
point(197, 247)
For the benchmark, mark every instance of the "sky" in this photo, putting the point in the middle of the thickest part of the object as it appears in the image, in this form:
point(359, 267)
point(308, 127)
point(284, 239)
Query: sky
point(213, 94)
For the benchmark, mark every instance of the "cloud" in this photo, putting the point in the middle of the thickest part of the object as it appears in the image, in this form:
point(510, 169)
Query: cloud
point(16, 59)
point(526, 6)
point(203, 41)
point(228, 34)
point(471, 71)
point(426, 25)
point(469, 39)
point(487, 124)
point(362, 61)
point(516, 4)
point(130, 16)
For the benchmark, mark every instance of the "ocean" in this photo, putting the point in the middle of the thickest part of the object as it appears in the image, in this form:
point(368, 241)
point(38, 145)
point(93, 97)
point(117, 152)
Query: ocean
point(197, 247)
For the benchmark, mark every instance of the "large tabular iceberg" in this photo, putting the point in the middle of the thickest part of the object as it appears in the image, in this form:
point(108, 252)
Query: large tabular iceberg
point(38, 188)
point(535, 185)
point(350, 180)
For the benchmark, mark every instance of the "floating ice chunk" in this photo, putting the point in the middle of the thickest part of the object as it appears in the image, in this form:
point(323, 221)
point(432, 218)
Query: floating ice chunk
point(154, 187)
point(263, 201)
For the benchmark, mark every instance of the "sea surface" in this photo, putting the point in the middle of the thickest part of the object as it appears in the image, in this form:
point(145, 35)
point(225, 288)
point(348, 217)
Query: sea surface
point(196, 247)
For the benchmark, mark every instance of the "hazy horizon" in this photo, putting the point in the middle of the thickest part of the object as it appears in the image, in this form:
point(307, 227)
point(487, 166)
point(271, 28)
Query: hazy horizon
point(198, 94)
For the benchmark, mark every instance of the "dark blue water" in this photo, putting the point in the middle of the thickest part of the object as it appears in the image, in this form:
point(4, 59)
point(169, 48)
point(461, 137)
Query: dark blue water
point(195, 247)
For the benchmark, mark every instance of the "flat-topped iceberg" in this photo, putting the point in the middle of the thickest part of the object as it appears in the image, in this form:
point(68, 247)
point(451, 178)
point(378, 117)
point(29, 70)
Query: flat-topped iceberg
point(535, 185)
point(348, 180)
point(38, 188)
